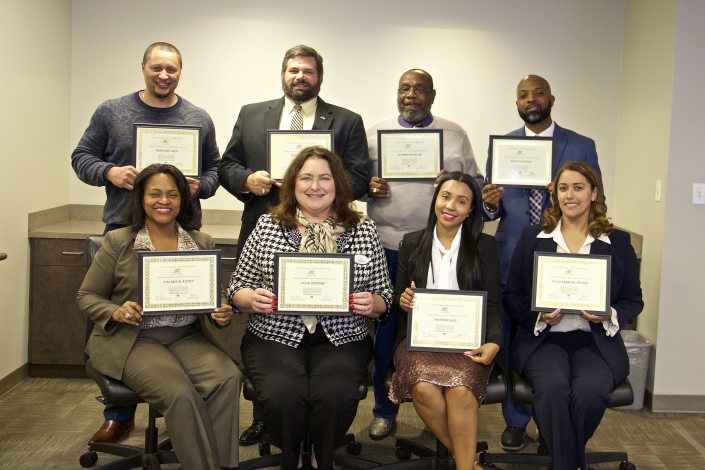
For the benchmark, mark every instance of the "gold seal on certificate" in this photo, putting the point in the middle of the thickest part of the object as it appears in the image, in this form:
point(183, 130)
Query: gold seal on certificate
point(179, 282)
point(283, 146)
point(313, 283)
point(519, 161)
point(446, 320)
point(571, 282)
point(160, 143)
point(412, 154)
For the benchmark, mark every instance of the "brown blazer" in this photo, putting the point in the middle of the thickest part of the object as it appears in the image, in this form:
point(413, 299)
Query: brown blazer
point(110, 282)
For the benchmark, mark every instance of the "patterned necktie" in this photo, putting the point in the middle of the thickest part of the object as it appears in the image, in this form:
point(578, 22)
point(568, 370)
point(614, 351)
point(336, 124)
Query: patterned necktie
point(535, 199)
point(297, 122)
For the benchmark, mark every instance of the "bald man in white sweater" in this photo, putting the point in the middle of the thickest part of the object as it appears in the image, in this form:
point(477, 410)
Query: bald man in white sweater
point(399, 207)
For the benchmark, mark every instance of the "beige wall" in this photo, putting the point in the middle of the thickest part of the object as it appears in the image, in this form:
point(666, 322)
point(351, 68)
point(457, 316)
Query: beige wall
point(35, 81)
point(681, 325)
point(643, 140)
point(476, 51)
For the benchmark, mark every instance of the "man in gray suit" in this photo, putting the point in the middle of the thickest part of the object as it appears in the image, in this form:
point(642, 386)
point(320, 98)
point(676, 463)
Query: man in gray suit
point(243, 170)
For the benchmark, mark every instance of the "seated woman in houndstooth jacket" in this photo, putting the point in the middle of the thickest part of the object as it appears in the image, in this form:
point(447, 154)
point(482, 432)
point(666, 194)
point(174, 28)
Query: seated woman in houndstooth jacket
point(307, 369)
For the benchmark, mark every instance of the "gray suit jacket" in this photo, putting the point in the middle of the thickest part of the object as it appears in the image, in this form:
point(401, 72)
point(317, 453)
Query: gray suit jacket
point(110, 282)
point(246, 153)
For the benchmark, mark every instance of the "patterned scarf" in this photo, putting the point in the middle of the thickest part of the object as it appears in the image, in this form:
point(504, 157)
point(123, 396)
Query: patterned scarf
point(317, 238)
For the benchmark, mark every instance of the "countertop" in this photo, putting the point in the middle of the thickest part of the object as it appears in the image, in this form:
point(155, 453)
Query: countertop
point(80, 221)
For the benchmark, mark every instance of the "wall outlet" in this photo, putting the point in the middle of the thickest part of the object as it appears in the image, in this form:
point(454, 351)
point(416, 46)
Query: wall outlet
point(658, 190)
point(698, 193)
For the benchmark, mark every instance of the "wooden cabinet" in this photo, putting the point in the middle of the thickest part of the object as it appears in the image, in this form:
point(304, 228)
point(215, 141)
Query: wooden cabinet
point(57, 330)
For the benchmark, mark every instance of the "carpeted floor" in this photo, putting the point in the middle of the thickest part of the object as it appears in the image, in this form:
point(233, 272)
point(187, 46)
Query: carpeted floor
point(45, 424)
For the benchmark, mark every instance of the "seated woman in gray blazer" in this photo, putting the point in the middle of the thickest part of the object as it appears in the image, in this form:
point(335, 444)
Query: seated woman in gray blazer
point(172, 361)
point(572, 361)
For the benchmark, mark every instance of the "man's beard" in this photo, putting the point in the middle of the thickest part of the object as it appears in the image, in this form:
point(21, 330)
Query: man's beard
point(301, 96)
point(533, 118)
point(413, 115)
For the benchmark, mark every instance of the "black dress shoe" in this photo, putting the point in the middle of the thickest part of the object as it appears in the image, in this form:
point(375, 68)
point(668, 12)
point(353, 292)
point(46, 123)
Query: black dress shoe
point(513, 439)
point(253, 434)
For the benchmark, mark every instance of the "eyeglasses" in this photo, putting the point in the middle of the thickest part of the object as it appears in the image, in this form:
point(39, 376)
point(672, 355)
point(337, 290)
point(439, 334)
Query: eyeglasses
point(417, 90)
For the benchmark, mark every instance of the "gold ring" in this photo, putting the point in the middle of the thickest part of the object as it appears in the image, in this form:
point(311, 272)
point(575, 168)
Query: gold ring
point(127, 315)
point(263, 191)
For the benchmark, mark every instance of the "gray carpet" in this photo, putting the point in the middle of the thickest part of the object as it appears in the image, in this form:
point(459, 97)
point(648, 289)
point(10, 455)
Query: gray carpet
point(45, 424)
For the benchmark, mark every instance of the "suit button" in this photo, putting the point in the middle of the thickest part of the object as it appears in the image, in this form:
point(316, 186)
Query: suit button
point(595, 335)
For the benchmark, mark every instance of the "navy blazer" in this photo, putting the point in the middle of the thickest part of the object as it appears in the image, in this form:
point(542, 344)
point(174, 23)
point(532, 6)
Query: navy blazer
point(625, 297)
point(246, 153)
point(514, 207)
point(489, 265)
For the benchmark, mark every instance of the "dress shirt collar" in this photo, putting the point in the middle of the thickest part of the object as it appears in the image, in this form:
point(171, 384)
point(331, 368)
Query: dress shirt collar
point(307, 107)
point(557, 236)
point(425, 122)
point(547, 133)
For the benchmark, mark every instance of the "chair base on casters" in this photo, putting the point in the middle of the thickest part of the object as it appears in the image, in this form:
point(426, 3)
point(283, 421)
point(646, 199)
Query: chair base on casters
point(539, 460)
point(150, 457)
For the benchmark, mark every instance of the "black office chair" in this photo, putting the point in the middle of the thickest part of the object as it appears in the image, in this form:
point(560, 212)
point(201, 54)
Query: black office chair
point(621, 395)
point(114, 392)
point(441, 459)
point(352, 447)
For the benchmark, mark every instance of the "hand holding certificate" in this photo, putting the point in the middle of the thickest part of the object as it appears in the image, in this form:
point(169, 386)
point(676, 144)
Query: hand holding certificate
point(446, 321)
point(573, 283)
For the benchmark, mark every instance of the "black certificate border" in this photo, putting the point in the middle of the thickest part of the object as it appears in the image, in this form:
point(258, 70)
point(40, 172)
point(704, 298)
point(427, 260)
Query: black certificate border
point(439, 132)
point(351, 276)
point(410, 322)
point(145, 125)
point(141, 255)
point(550, 254)
point(271, 132)
point(520, 138)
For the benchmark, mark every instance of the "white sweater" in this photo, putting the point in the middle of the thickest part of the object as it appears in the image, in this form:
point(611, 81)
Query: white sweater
point(407, 207)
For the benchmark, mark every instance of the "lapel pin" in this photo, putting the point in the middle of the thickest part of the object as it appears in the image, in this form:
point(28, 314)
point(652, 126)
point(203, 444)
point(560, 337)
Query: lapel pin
point(322, 118)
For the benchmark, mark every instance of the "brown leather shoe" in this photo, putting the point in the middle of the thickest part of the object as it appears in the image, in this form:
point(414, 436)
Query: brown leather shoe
point(111, 431)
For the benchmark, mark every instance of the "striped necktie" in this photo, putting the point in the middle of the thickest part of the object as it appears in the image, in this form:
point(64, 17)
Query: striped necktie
point(297, 122)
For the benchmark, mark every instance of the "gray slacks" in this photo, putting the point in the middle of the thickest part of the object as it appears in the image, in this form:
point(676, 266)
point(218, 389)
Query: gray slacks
point(196, 387)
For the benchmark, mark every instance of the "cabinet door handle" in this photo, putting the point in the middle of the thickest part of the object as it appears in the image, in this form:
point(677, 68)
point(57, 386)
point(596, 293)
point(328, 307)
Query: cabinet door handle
point(227, 259)
point(76, 253)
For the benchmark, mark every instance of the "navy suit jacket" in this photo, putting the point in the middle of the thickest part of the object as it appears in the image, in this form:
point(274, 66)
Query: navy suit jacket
point(514, 207)
point(246, 153)
point(489, 265)
point(625, 297)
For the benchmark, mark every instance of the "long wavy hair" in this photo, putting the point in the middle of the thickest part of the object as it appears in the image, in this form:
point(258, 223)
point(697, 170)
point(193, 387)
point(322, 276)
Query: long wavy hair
point(188, 215)
point(469, 266)
point(598, 223)
point(343, 212)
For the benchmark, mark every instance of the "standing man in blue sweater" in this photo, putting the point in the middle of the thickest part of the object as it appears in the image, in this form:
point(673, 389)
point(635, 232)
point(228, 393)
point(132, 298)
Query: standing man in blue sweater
point(103, 157)
point(518, 208)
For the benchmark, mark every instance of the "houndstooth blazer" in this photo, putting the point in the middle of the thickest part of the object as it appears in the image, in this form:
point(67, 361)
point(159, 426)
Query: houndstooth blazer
point(255, 269)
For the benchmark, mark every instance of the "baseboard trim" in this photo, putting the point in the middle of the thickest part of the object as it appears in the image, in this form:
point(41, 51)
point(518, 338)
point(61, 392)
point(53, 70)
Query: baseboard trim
point(13, 378)
point(675, 403)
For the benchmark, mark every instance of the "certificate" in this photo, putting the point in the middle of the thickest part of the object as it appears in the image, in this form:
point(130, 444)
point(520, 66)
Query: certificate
point(412, 154)
point(571, 282)
point(176, 145)
point(313, 283)
point(283, 146)
point(522, 162)
point(178, 282)
point(446, 321)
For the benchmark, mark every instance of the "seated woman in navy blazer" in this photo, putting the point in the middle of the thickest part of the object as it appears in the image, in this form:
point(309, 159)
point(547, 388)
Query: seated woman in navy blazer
point(572, 361)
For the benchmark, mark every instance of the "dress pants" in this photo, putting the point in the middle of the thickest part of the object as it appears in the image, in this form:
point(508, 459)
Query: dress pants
point(196, 387)
point(571, 383)
point(313, 388)
point(384, 342)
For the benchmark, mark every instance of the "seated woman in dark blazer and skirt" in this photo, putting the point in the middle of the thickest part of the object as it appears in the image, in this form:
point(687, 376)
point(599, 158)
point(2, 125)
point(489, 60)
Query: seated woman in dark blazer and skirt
point(450, 253)
point(572, 361)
